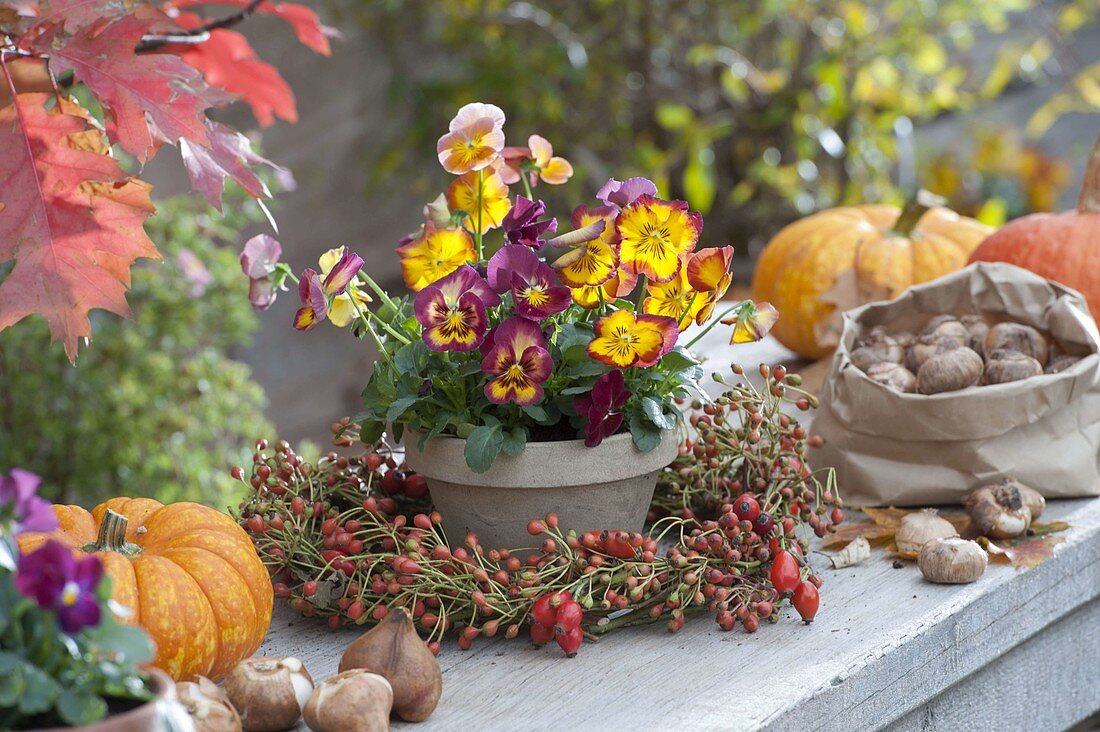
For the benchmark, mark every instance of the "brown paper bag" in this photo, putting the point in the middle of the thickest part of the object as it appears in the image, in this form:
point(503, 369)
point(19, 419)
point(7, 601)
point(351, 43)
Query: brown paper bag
point(915, 449)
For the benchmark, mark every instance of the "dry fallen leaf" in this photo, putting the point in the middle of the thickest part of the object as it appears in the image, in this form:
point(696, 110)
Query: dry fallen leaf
point(855, 552)
point(884, 523)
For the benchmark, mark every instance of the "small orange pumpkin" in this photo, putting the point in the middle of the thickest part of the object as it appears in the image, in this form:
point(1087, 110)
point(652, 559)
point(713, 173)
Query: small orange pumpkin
point(1064, 247)
point(188, 573)
point(842, 257)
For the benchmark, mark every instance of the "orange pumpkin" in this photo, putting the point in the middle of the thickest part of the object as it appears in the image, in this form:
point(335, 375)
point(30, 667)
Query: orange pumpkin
point(188, 573)
point(836, 259)
point(1064, 247)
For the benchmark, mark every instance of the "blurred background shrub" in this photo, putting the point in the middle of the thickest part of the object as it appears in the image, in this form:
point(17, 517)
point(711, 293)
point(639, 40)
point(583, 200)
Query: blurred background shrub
point(756, 112)
point(156, 406)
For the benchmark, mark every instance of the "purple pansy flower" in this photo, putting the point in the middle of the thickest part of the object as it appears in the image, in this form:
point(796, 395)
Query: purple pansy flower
point(623, 193)
point(316, 294)
point(452, 310)
point(518, 362)
point(521, 224)
point(601, 407)
point(30, 513)
point(533, 282)
point(258, 260)
point(56, 580)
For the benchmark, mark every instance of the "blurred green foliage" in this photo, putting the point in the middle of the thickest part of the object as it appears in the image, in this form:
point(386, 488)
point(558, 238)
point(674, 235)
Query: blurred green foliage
point(756, 112)
point(155, 407)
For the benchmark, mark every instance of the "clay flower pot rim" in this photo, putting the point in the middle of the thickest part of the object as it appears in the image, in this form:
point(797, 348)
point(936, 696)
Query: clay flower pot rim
point(548, 464)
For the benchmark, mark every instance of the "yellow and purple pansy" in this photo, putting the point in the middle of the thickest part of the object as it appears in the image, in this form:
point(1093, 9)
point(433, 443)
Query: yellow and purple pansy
point(624, 339)
point(518, 361)
point(675, 299)
point(621, 284)
point(601, 407)
point(621, 193)
point(433, 255)
point(655, 235)
point(752, 321)
point(452, 310)
point(708, 273)
point(462, 195)
point(318, 295)
point(592, 261)
point(535, 292)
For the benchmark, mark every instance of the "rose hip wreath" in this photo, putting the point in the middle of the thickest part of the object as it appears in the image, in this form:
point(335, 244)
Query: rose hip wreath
point(348, 538)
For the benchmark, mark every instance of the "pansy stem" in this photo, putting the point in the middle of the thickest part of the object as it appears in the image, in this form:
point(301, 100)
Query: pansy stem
point(377, 289)
point(712, 323)
point(642, 292)
point(524, 176)
point(365, 316)
point(478, 231)
point(687, 312)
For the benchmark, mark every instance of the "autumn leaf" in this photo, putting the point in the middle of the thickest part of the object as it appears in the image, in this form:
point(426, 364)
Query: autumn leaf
point(307, 26)
point(229, 156)
point(227, 61)
point(69, 218)
point(148, 98)
point(1023, 552)
point(883, 525)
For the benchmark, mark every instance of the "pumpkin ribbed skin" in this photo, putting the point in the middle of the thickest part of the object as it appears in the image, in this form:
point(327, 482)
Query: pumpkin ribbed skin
point(803, 261)
point(1064, 247)
point(194, 581)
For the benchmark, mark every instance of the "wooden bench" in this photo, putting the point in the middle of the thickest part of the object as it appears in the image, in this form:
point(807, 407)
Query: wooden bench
point(1017, 650)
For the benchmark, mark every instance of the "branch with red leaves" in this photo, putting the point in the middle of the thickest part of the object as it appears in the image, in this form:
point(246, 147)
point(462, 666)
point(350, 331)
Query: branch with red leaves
point(70, 217)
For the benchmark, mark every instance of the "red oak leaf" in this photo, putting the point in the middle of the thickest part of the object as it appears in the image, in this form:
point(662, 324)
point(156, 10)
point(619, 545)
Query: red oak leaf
point(307, 26)
point(148, 98)
point(226, 60)
point(69, 217)
point(229, 155)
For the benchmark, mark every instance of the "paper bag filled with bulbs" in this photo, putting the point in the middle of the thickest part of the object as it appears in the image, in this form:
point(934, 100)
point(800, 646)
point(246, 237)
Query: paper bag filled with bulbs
point(987, 373)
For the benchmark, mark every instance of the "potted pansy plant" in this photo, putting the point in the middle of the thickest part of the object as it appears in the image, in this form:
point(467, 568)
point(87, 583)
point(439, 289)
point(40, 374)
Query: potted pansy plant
point(534, 366)
point(64, 659)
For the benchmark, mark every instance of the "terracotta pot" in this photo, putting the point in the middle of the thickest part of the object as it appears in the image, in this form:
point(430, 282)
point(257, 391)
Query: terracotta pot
point(604, 487)
point(162, 713)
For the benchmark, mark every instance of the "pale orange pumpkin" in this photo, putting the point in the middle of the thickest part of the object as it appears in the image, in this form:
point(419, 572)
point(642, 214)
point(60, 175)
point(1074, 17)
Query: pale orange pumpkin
point(836, 259)
point(1064, 247)
point(189, 575)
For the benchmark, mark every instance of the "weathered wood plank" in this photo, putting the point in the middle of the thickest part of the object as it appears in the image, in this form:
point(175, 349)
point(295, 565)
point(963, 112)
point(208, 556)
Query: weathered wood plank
point(886, 644)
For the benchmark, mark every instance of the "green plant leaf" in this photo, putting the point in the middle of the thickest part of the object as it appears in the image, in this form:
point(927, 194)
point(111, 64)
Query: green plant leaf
point(80, 706)
point(646, 437)
point(515, 441)
point(482, 447)
point(655, 413)
point(398, 406)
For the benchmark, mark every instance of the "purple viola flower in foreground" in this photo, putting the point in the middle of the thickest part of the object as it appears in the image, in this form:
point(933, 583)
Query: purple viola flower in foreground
point(317, 294)
point(623, 193)
point(600, 407)
point(258, 261)
point(56, 580)
point(521, 224)
point(533, 283)
point(29, 512)
point(452, 310)
point(519, 363)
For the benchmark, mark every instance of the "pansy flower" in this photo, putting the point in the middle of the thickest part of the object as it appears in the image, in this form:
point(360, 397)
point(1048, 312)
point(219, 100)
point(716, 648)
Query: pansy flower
point(452, 310)
point(534, 289)
point(675, 299)
point(550, 168)
point(621, 284)
point(624, 339)
point(20, 502)
point(56, 580)
point(475, 139)
point(495, 204)
point(319, 295)
point(341, 310)
point(434, 255)
point(708, 271)
point(594, 261)
point(518, 361)
point(654, 235)
point(752, 321)
point(522, 225)
point(258, 261)
point(601, 407)
point(622, 193)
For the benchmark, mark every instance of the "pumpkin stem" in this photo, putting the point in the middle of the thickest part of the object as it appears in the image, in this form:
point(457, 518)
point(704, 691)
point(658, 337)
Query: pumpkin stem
point(914, 210)
point(112, 533)
point(1089, 200)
